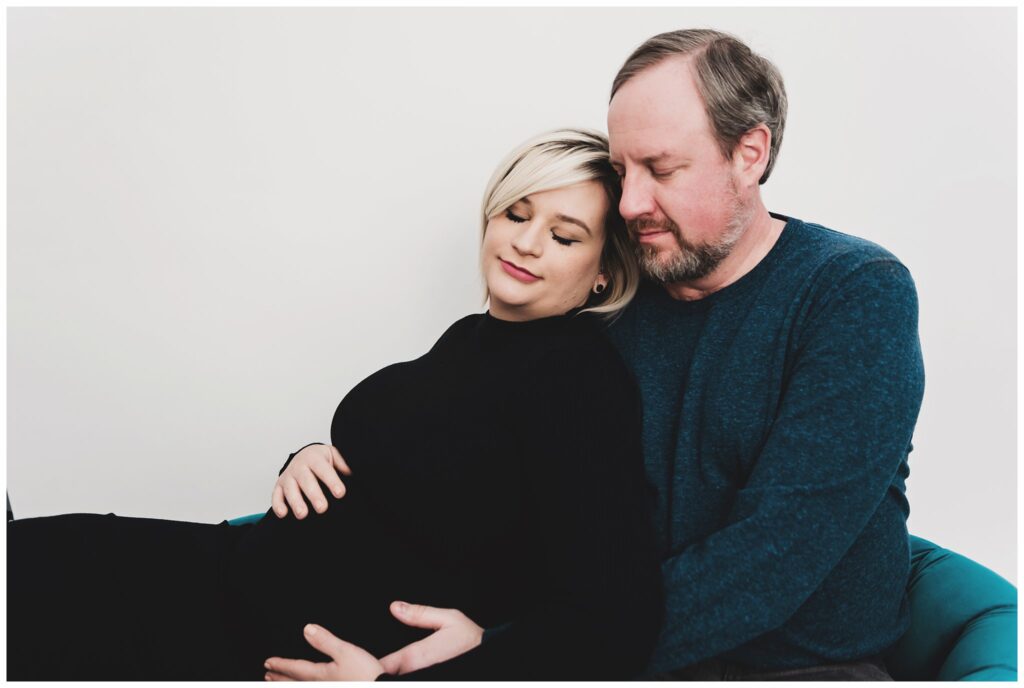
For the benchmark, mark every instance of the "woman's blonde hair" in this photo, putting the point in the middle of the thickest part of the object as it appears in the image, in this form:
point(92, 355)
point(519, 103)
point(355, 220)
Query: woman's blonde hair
point(562, 158)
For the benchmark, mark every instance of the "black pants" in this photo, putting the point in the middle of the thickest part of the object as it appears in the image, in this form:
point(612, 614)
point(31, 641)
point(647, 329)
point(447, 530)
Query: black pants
point(102, 597)
point(870, 669)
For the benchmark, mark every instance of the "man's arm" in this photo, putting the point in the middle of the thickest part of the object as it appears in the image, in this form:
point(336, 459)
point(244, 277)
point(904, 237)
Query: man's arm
point(843, 428)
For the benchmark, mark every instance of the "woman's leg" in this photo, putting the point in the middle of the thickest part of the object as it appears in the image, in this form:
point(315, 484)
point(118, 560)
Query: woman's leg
point(60, 613)
point(103, 597)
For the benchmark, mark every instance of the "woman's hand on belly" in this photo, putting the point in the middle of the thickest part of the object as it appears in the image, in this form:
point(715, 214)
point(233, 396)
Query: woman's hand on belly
point(454, 634)
point(348, 662)
point(314, 464)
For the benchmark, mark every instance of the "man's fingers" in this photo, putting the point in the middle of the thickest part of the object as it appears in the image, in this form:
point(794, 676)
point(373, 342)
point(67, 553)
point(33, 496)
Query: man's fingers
point(294, 497)
point(422, 616)
point(277, 501)
point(410, 658)
point(339, 462)
point(433, 649)
point(328, 475)
point(392, 663)
point(311, 487)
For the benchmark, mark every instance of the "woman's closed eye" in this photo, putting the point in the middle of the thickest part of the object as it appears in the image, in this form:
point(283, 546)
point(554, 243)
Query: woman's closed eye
point(562, 240)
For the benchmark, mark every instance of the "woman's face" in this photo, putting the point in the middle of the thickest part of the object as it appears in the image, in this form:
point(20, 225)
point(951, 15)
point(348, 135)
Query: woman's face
point(542, 256)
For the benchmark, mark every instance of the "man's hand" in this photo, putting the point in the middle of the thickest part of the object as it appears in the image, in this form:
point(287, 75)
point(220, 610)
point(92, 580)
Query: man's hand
point(454, 633)
point(313, 462)
point(350, 663)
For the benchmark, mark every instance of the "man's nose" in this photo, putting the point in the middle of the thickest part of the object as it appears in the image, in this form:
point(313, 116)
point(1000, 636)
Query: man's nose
point(637, 197)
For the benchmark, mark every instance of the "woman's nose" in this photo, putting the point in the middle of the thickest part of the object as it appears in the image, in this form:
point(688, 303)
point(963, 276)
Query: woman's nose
point(526, 242)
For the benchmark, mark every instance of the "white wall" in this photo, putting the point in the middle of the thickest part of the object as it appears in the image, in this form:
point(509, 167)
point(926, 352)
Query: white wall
point(219, 220)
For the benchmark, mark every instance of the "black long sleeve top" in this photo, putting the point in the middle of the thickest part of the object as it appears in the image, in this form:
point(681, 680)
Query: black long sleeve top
point(500, 474)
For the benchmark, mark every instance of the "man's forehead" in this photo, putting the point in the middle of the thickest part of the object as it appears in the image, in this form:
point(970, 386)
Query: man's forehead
point(637, 142)
point(655, 112)
point(650, 144)
point(673, 77)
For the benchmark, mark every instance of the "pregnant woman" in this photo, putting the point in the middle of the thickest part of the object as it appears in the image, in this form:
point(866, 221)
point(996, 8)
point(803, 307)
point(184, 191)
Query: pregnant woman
point(500, 474)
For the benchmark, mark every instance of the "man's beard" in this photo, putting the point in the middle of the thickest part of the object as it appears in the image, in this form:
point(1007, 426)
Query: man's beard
point(691, 261)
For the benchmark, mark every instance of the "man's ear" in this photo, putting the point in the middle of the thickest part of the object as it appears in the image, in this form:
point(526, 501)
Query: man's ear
point(750, 156)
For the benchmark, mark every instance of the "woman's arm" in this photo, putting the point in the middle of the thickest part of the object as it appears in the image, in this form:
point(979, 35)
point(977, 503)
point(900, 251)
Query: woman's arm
point(302, 474)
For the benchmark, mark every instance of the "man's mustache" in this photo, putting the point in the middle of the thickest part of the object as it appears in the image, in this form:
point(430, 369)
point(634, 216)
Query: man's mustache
point(643, 224)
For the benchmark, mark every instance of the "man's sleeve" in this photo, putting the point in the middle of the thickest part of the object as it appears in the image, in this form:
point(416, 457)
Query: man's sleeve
point(842, 429)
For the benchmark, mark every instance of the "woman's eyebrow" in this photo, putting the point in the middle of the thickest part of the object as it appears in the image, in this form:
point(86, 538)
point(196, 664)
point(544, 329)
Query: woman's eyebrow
point(561, 217)
point(573, 220)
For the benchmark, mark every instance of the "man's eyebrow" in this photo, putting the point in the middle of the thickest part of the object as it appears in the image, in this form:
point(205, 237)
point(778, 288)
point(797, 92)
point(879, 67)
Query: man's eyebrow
point(573, 220)
point(652, 159)
point(646, 160)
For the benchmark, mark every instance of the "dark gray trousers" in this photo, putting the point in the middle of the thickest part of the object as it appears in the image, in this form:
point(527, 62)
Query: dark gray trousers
point(870, 669)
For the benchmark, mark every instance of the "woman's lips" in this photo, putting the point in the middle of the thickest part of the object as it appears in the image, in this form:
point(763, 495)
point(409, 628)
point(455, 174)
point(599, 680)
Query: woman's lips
point(519, 273)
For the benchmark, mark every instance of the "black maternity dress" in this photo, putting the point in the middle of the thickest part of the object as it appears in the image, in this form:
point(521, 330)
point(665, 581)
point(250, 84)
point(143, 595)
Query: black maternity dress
point(500, 474)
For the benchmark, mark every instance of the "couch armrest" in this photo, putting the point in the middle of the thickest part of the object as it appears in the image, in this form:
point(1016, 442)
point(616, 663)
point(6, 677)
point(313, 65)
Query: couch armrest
point(963, 620)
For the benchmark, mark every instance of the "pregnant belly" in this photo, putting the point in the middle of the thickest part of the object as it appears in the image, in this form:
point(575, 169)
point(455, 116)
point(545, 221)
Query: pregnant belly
point(340, 569)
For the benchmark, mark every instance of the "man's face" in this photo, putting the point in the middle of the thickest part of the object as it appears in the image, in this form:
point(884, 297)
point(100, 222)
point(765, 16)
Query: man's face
point(679, 195)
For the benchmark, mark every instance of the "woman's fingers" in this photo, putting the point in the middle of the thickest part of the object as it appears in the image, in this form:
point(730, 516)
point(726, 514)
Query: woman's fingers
point(311, 488)
point(294, 497)
point(277, 501)
point(302, 481)
point(271, 676)
point(339, 463)
point(293, 669)
point(329, 476)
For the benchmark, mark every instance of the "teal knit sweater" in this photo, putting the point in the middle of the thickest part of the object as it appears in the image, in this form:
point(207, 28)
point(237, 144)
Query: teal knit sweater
point(778, 416)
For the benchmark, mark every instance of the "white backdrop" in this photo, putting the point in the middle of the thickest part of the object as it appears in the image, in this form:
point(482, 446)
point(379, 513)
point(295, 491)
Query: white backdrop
point(220, 220)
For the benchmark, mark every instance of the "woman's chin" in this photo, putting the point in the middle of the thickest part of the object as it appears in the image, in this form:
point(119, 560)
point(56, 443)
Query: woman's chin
point(511, 295)
point(508, 311)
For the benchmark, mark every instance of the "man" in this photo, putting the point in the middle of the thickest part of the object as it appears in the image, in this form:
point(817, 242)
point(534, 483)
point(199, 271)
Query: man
point(781, 373)
point(781, 377)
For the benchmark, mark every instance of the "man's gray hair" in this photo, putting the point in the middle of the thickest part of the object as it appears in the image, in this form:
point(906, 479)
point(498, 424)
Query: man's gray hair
point(740, 88)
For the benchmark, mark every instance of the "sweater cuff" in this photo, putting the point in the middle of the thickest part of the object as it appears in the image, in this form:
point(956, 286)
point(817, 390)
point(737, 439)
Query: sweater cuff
point(292, 456)
point(489, 633)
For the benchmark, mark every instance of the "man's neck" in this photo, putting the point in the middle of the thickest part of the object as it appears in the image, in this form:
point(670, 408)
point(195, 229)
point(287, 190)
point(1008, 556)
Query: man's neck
point(753, 246)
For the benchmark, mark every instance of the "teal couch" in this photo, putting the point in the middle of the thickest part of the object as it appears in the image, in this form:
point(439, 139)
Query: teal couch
point(963, 619)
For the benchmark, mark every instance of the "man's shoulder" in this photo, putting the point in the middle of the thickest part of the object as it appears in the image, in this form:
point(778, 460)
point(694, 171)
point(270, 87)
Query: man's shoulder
point(833, 255)
point(836, 265)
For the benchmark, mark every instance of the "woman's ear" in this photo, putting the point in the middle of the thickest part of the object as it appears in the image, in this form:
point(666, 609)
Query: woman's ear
point(600, 283)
